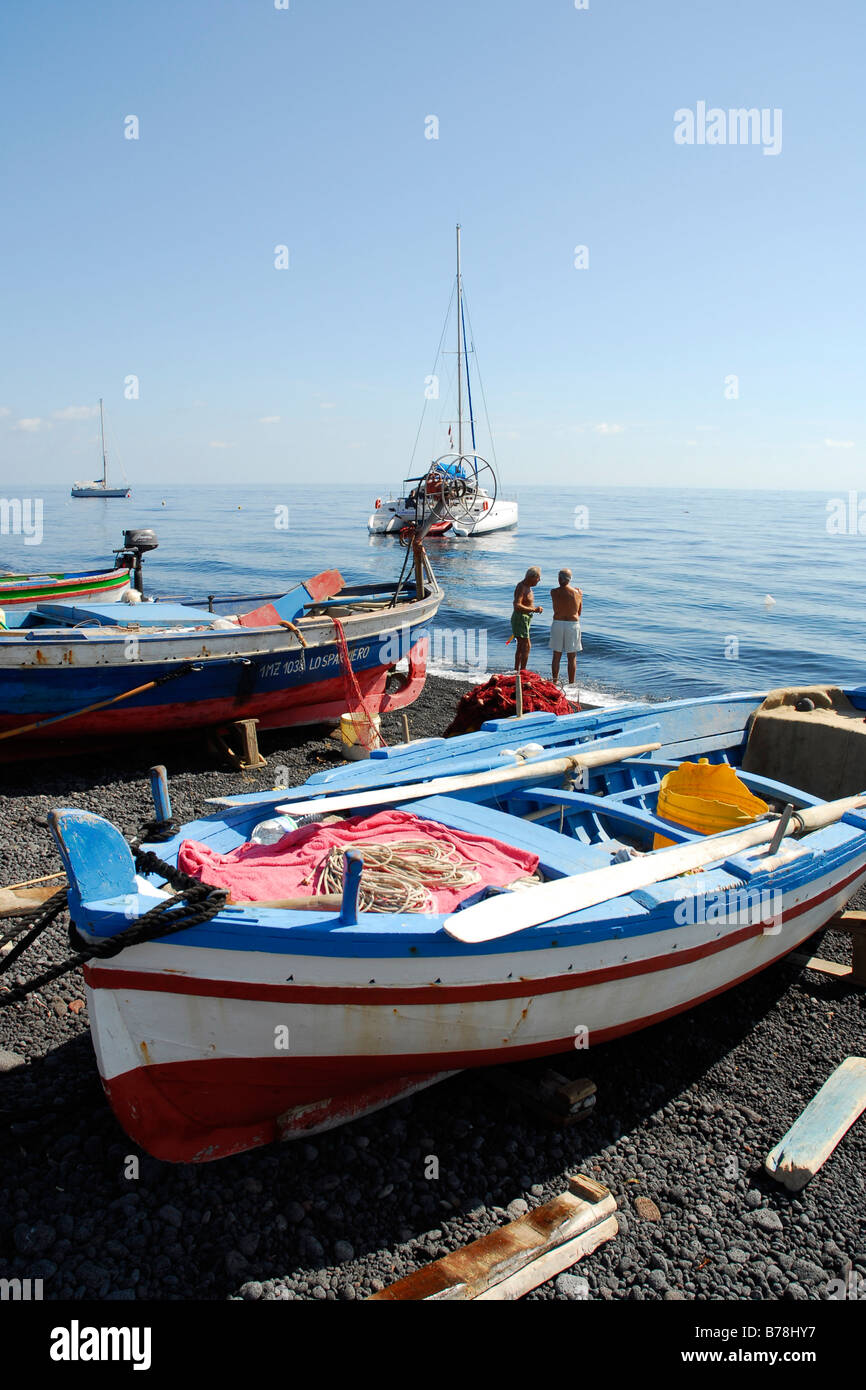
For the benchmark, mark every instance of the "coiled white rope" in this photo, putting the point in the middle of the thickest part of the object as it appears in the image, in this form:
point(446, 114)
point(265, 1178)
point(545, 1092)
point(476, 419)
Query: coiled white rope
point(399, 877)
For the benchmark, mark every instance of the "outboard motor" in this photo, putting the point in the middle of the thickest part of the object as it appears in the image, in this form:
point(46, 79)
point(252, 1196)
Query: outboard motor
point(135, 544)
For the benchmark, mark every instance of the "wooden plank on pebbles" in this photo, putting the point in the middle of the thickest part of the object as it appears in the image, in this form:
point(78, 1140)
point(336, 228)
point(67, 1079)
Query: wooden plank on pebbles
point(527, 1252)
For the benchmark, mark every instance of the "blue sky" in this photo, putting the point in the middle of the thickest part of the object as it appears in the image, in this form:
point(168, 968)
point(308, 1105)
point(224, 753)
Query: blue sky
point(306, 128)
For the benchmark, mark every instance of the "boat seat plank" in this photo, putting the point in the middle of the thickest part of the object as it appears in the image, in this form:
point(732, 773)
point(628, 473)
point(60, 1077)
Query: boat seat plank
point(558, 854)
point(631, 817)
point(698, 747)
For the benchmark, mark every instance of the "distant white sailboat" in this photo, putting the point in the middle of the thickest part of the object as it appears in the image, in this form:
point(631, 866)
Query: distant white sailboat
point(460, 485)
point(97, 488)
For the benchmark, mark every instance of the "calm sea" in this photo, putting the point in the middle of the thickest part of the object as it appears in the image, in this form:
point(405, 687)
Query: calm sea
point(685, 593)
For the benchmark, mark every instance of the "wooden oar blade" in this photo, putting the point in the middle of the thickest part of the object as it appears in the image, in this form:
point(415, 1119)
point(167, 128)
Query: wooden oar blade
point(507, 913)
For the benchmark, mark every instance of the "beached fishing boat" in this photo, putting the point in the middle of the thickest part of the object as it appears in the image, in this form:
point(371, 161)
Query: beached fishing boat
point(25, 590)
point(512, 900)
point(99, 487)
point(460, 489)
point(82, 670)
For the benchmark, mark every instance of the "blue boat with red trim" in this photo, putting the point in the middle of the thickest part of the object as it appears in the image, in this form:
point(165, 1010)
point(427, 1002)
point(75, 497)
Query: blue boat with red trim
point(295, 959)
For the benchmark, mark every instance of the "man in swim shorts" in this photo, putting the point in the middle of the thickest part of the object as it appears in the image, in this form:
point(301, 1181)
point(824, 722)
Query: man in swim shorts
point(524, 607)
point(565, 627)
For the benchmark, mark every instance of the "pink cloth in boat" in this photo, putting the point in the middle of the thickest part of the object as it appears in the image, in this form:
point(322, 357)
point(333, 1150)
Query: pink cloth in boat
point(289, 868)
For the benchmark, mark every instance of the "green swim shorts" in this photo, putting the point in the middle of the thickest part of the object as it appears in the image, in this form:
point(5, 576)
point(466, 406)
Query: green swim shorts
point(520, 623)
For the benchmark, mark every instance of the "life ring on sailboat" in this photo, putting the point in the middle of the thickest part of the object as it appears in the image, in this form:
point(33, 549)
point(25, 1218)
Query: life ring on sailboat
point(378, 503)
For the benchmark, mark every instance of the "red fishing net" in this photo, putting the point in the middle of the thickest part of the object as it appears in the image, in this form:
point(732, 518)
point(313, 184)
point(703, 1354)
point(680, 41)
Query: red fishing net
point(495, 700)
point(356, 705)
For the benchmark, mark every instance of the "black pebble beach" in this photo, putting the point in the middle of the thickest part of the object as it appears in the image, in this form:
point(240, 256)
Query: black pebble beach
point(686, 1113)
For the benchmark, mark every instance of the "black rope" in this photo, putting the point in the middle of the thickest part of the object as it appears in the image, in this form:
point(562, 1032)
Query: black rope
point(41, 917)
point(154, 832)
point(190, 906)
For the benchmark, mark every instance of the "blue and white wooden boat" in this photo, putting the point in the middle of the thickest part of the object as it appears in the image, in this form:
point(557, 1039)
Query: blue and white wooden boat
point(94, 671)
point(370, 1007)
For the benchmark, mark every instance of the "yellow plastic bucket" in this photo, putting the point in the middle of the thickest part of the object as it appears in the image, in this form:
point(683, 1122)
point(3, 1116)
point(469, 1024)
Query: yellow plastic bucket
point(707, 797)
point(359, 735)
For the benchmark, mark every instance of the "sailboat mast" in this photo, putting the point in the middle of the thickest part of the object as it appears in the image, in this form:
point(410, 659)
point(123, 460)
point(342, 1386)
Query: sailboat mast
point(102, 432)
point(459, 351)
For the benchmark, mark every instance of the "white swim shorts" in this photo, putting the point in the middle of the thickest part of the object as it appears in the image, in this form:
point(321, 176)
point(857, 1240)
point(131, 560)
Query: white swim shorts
point(565, 635)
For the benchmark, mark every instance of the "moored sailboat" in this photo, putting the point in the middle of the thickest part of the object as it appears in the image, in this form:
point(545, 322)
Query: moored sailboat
point(460, 486)
point(99, 487)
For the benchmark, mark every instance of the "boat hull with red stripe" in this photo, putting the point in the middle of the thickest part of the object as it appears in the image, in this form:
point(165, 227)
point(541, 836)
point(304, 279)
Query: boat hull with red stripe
point(265, 1024)
point(75, 672)
point(24, 590)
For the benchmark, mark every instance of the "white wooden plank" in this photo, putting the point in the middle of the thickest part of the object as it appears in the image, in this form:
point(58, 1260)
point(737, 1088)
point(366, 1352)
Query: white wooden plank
point(502, 1254)
point(816, 1132)
point(546, 1267)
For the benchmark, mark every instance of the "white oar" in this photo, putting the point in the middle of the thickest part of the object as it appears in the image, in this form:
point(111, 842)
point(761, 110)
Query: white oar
point(511, 912)
point(439, 786)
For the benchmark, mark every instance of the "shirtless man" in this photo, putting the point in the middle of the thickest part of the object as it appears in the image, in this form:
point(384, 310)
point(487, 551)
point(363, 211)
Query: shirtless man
point(524, 607)
point(565, 628)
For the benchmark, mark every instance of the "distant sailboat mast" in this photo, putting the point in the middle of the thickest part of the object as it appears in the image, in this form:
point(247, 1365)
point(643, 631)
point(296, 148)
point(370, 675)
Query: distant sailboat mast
point(464, 484)
point(459, 353)
point(102, 432)
point(462, 362)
